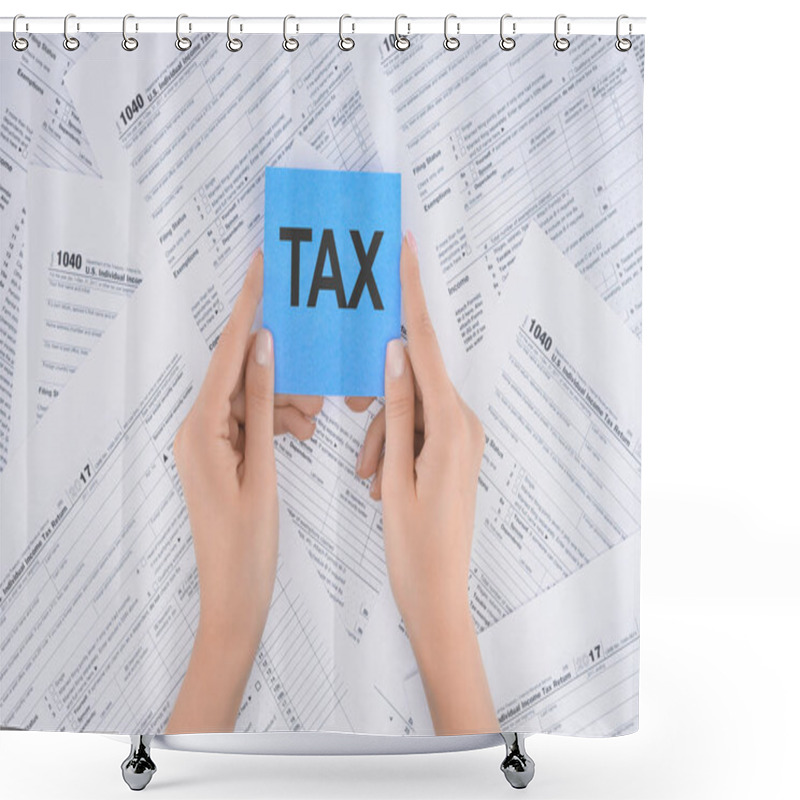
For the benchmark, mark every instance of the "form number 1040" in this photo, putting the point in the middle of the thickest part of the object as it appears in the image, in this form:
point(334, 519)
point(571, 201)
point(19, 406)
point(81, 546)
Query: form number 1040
point(540, 335)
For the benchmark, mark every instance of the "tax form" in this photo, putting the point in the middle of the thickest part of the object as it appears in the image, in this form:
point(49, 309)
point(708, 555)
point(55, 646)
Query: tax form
point(144, 549)
point(556, 541)
point(99, 593)
point(198, 167)
point(38, 125)
point(13, 317)
point(329, 509)
point(553, 666)
point(196, 128)
point(560, 482)
point(98, 538)
point(573, 673)
point(80, 275)
point(558, 511)
point(547, 137)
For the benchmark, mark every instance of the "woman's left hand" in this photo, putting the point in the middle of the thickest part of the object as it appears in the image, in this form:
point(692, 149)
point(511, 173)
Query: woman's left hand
point(225, 456)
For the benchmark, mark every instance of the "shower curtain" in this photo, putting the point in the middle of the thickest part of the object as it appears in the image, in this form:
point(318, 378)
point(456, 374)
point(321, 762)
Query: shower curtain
point(321, 384)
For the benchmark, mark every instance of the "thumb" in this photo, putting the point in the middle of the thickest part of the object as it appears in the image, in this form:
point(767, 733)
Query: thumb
point(398, 460)
point(259, 412)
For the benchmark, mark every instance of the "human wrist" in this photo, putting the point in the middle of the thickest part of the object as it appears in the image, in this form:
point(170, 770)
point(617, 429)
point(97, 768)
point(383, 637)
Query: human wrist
point(234, 640)
point(451, 668)
point(212, 689)
point(440, 633)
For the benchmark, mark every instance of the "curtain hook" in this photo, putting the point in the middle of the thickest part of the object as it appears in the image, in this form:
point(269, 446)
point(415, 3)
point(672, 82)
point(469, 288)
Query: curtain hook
point(19, 43)
point(289, 44)
point(128, 42)
point(451, 42)
point(70, 42)
point(181, 42)
point(345, 42)
point(507, 42)
point(561, 43)
point(401, 42)
point(623, 45)
point(234, 45)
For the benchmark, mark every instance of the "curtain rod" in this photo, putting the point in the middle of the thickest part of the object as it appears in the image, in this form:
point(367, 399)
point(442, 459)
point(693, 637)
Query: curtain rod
point(352, 24)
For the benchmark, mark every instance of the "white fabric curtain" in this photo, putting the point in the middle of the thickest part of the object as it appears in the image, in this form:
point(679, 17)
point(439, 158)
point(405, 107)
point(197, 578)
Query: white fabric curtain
point(493, 584)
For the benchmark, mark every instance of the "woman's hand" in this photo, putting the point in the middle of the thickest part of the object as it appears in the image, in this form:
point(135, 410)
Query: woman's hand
point(428, 484)
point(225, 457)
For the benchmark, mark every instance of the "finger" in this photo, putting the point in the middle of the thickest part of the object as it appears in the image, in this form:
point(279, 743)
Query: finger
point(237, 406)
point(233, 430)
point(372, 448)
point(423, 346)
point(308, 404)
point(287, 417)
point(375, 486)
point(419, 416)
point(259, 453)
point(375, 438)
point(241, 443)
point(238, 443)
point(228, 357)
point(358, 403)
point(304, 404)
point(398, 464)
point(292, 420)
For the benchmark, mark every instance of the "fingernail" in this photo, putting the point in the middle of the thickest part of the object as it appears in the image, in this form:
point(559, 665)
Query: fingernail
point(263, 348)
point(395, 358)
point(412, 242)
point(358, 459)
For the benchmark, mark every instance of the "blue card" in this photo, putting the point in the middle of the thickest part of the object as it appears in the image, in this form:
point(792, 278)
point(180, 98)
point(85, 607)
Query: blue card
point(331, 278)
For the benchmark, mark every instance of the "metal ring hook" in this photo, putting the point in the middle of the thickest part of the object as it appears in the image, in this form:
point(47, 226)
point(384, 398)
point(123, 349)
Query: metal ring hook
point(401, 42)
point(19, 43)
point(128, 42)
point(623, 44)
point(345, 42)
point(507, 42)
point(70, 42)
point(182, 42)
point(289, 44)
point(561, 43)
point(451, 42)
point(234, 45)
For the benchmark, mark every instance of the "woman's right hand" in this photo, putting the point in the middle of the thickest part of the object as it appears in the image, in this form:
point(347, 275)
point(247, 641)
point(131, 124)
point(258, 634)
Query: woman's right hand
point(428, 485)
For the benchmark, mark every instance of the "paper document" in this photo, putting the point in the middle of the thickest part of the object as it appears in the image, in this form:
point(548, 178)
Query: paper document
point(547, 137)
point(99, 540)
point(198, 135)
point(561, 476)
point(133, 196)
point(209, 219)
point(38, 126)
point(80, 273)
point(331, 278)
point(558, 508)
